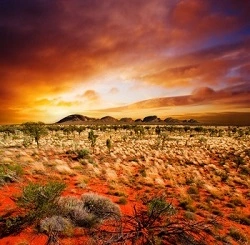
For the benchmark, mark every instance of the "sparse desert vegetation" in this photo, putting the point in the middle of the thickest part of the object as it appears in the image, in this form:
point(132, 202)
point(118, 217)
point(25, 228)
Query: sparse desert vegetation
point(124, 184)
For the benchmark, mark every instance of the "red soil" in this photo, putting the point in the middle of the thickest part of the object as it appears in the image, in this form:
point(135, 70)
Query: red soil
point(100, 186)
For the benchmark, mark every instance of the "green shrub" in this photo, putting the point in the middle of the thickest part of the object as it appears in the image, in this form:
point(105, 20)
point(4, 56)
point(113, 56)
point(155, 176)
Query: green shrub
point(117, 193)
point(41, 200)
point(245, 170)
point(82, 153)
point(27, 142)
point(239, 161)
point(10, 173)
point(109, 144)
point(159, 205)
point(92, 138)
point(37, 201)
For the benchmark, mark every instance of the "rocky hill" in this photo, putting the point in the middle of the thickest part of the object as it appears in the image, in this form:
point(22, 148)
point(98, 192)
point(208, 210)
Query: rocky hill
point(80, 119)
point(74, 119)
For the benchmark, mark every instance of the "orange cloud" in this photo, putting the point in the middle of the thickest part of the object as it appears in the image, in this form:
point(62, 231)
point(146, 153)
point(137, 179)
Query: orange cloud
point(91, 95)
point(226, 64)
point(48, 48)
point(203, 92)
point(233, 96)
point(68, 103)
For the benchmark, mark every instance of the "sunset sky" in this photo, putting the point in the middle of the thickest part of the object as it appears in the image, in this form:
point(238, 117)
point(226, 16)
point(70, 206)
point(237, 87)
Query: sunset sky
point(102, 57)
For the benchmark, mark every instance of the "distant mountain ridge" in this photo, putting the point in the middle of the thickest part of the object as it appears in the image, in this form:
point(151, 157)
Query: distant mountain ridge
point(75, 118)
point(80, 119)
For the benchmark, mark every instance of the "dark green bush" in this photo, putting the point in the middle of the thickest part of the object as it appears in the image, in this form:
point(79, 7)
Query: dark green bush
point(10, 173)
point(37, 202)
point(82, 153)
point(41, 200)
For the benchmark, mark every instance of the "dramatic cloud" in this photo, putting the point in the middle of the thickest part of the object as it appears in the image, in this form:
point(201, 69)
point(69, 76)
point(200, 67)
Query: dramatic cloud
point(203, 92)
point(91, 95)
point(51, 50)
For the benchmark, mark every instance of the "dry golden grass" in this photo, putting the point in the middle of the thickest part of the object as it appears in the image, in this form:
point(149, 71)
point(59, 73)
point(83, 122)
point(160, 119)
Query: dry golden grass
point(200, 173)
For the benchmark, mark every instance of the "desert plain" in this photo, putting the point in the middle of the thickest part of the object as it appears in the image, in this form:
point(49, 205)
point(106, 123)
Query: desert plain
point(201, 171)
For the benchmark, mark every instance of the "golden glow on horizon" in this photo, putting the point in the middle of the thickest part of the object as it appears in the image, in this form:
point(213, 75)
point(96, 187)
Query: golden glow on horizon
point(88, 58)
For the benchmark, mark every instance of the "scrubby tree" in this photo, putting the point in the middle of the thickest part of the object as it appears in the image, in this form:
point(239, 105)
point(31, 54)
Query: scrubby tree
point(164, 137)
point(54, 128)
point(109, 144)
point(186, 128)
point(80, 129)
point(139, 131)
point(158, 130)
point(199, 129)
point(35, 130)
point(92, 138)
point(8, 129)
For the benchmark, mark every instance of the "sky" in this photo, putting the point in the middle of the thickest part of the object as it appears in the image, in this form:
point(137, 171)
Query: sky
point(123, 58)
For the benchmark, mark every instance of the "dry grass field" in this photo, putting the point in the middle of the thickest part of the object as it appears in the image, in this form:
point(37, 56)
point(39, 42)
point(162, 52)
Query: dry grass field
point(201, 172)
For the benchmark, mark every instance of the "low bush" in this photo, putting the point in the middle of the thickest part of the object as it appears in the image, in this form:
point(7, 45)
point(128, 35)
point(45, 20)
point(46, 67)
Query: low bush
point(90, 211)
point(100, 206)
point(56, 224)
point(154, 223)
point(10, 173)
point(237, 202)
point(237, 235)
point(193, 190)
point(41, 200)
point(240, 218)
point(81, 154)
point(36, 202)
point(67, 204)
